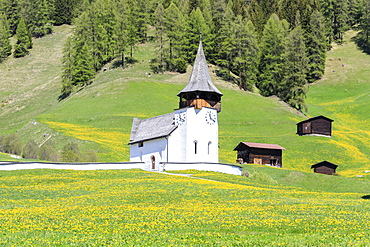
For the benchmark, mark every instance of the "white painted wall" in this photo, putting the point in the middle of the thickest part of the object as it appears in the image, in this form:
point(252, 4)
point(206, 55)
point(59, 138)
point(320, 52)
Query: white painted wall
point(215, 167)
point(194, 129)
point(86, 166)
point(156, 148)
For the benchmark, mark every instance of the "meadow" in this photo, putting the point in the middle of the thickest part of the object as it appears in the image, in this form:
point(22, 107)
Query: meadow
point(138, 208)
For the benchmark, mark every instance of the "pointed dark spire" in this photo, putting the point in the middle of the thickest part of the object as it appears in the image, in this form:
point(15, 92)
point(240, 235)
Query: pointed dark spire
point(200, 79)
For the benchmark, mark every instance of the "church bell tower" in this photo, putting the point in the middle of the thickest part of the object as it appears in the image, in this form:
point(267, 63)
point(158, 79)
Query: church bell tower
point(197, 117)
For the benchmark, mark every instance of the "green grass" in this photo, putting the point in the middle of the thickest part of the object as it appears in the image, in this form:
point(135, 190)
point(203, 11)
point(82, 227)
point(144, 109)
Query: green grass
point(138, 208)
point(100, 115)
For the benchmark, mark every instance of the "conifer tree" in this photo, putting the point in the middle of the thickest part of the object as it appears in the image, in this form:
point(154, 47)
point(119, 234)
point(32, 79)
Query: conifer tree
point(120, 31)
point(67, 74)
point(174, 22)
point(224, 42)
point(5, 47)
point(327, 9)
point(271, 66)
point(293, 88)
point(257, 16)
point(83, 68)
point(246, 53)
point(340, 19)
point(24, 41)
point(364, 36)
point(196, 26)
point(160, 38)
point(11, 9)
point(316, 47)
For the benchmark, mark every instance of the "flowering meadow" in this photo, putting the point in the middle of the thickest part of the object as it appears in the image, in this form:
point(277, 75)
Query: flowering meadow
point(138, 208)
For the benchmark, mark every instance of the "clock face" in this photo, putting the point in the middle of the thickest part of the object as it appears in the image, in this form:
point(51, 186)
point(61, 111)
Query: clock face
point(211, 117)
point(180, 118)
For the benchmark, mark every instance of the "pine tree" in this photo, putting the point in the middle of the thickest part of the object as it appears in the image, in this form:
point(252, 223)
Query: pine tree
point(364, 41)
point(271, 66)
point(120, 31)
point(340, 19)
point(159, 64)
point(24, 41)
point(224, 42)
point(11, 9)
point(246, 53)
point(174, 22)
point(293, 88)
point(64, 11)
point(5, 47)
point(316, 47)
point(83, 68)
point(257, 16)
point(196, 26)
point(38, 14)
point(67, 75)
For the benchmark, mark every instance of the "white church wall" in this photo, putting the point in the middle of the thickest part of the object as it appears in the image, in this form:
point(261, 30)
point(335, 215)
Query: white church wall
point(201, 136)
point(156, 148)
point(215, 167)
point(10, 166)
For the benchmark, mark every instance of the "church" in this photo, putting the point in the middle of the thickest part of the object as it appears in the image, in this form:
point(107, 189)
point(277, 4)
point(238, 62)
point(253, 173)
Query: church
point(187, 135)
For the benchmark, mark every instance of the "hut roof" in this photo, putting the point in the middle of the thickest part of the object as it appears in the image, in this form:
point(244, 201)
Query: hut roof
point(324, 163)
point(200, 79)
point(314, 118)
point(258, 145)
point(152, 128)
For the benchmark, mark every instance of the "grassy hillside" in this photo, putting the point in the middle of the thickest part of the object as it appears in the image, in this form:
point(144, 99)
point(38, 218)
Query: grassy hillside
point(100, 115)
point(138, 208)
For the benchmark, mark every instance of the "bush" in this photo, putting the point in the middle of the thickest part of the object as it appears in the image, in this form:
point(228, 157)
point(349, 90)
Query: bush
point(30, 150)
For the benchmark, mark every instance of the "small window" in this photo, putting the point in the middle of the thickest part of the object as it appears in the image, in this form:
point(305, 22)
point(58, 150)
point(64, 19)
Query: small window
point(209, 146)
point(195, 147)
point(141, 144)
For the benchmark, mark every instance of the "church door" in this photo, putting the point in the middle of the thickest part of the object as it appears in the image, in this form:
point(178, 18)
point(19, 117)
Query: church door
point(153, 162)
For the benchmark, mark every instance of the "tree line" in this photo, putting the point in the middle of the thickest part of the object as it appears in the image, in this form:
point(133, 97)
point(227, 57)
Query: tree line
point(70, 152)
point(274, 46)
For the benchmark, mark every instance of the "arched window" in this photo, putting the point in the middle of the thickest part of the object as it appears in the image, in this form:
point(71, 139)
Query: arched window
point(209, 146)
point(153, 162)
point(195, 147)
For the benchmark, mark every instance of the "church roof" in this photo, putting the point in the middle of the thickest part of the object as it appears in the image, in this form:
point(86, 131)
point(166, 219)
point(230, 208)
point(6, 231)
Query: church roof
point(200, 79)
point(152, 128)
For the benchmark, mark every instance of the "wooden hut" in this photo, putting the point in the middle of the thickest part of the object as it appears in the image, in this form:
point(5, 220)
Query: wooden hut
point(324, 167)
point(259, 153)
point(319, 125)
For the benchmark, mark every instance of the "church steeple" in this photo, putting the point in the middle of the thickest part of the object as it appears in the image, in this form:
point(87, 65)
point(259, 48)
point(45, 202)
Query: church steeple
point(200, 91)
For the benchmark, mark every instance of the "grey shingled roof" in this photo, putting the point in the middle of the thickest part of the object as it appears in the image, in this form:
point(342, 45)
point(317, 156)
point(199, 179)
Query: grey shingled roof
point(200, 79)
point(152, 128)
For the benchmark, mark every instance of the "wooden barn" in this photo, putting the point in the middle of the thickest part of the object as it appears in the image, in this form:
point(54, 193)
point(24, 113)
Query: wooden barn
point(319, 125)
point(260, 153)
point(324, 167)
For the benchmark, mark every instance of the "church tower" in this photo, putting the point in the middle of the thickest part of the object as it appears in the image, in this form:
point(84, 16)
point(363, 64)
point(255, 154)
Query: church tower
point(197, 116)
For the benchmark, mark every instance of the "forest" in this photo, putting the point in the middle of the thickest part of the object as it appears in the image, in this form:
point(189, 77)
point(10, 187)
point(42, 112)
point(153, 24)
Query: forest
point(273, 47)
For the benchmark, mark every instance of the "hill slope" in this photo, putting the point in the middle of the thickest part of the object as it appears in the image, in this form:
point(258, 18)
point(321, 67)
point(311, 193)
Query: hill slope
point(100, 115)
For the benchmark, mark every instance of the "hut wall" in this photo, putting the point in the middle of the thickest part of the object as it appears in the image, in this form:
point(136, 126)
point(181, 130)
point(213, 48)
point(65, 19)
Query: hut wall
point(321, 127)
point(324, 170)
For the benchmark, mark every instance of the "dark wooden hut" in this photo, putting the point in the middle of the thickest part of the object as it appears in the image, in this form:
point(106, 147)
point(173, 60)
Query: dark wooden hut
point(324, 167)
point(260, 153)
point(319, 125)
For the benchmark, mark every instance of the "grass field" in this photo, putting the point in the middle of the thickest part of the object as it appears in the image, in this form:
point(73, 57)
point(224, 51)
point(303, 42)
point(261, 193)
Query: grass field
point(137, 208)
